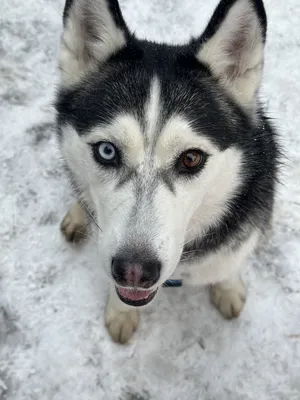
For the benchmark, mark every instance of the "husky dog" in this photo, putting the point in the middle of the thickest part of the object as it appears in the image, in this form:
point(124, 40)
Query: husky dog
point(168, 150)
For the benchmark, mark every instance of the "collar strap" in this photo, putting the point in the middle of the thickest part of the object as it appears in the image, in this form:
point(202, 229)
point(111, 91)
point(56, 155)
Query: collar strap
point(173, 283)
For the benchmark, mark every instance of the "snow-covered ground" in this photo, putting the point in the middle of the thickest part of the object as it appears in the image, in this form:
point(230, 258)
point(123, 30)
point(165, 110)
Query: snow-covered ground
point(53, 344)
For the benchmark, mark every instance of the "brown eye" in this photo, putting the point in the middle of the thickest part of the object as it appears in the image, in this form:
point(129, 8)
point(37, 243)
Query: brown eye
point(191, 162)
point(191, 159)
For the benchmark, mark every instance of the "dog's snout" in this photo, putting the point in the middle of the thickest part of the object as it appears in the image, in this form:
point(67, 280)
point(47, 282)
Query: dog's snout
point(135, 273)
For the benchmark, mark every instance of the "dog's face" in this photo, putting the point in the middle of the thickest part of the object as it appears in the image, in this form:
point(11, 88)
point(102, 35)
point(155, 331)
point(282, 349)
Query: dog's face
point(155, 136)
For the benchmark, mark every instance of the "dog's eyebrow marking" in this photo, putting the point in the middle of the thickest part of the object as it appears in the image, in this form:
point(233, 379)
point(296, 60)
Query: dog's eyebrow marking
point(177, 133)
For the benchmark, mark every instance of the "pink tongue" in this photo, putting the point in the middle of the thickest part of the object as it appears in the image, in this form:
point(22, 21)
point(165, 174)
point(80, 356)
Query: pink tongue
point(134, 294)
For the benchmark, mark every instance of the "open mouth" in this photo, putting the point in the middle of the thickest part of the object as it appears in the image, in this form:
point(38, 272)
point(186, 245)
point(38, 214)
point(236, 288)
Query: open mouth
point(135, 297)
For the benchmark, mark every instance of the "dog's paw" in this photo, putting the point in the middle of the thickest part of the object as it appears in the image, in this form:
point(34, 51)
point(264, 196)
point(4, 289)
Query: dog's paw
point(73, 226)
point(121, 325)
point(228, 300)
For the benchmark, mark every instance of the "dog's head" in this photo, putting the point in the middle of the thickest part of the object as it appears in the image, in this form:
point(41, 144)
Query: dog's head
point(156, 136)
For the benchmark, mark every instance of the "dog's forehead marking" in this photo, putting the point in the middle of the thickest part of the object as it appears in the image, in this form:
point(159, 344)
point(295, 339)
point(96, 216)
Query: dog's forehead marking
point(149, 132)
point(152, 111)
point(146, 179)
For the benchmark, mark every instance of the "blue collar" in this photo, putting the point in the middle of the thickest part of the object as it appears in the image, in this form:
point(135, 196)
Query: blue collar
point(173, 283)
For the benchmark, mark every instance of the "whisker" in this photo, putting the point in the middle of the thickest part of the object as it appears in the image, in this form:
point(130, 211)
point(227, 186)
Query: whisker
point(90, 214)
point(88, 236)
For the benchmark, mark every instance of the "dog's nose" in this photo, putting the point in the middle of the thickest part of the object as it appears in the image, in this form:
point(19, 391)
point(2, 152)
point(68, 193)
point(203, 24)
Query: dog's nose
point(135, 273)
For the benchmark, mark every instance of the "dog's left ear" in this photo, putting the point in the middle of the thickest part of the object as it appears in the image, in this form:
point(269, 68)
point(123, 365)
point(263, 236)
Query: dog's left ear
point(232, 46)
point(94, 30)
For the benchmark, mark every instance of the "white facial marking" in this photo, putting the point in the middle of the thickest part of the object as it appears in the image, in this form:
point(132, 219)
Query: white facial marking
point(152, 110)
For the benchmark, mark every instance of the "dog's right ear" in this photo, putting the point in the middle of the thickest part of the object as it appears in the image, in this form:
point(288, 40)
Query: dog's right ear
point(232, 47)
point(93, 31)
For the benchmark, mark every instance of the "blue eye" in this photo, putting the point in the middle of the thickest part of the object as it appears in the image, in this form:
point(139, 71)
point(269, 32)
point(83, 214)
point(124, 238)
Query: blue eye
point(106, 153)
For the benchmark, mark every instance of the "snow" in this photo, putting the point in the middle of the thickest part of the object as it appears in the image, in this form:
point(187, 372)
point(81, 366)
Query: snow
point(53, 344)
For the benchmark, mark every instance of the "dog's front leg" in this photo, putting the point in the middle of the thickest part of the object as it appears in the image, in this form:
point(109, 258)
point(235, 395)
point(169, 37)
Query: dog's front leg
point(121, 320)
point(229, 296)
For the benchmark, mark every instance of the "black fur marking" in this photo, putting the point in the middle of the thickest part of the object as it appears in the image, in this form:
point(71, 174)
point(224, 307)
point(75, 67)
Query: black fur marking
point(124, 88)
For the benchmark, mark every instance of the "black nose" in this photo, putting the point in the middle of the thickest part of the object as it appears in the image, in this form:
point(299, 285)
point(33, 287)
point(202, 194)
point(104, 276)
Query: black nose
point(135, 272)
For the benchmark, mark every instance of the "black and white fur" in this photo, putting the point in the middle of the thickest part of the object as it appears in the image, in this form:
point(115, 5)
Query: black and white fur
point(153, 102)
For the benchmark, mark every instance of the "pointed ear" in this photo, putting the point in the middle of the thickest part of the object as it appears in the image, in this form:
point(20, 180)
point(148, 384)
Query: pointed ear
point(232, 46)
point(93, 31)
